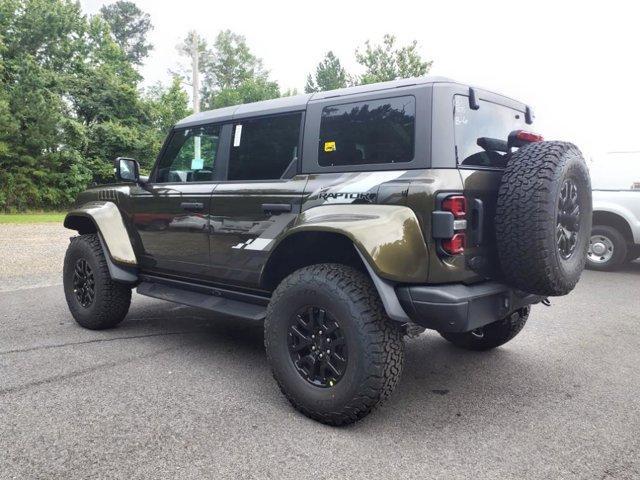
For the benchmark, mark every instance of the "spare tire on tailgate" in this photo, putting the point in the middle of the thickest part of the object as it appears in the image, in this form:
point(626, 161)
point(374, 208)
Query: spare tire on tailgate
point(543, 218)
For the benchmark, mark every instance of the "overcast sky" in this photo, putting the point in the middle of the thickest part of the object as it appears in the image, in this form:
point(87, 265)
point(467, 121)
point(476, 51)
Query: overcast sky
point(577, 63)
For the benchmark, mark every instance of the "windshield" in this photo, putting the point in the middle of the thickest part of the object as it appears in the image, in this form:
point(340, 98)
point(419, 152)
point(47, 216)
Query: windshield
point(475, 130)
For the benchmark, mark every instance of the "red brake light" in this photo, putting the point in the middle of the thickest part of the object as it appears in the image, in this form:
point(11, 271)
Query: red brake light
point(529, 137)
point(456, 204)
point(454, 245)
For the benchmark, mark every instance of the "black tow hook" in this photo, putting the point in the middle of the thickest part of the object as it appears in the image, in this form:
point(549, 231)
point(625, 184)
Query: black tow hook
point(546, 302)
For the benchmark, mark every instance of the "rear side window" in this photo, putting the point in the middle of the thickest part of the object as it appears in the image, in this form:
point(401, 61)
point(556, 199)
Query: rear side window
point(482, 134)
point(371, 132)
point(263, 148)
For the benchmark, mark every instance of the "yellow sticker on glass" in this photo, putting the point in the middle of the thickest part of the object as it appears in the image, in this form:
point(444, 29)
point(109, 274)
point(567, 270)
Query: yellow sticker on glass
point(329, 146)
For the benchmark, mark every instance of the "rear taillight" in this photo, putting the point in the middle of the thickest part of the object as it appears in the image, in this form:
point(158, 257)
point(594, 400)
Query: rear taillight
point(457, 206)
point(454, 245)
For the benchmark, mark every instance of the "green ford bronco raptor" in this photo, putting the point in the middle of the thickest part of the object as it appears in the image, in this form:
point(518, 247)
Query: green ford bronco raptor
point(345, 220)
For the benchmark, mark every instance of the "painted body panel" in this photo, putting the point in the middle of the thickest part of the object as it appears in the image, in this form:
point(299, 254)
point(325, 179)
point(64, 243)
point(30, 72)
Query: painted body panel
point(172, 238)
point(388, 236)
point(242, 230)
point(625, 203)
point(108, 220)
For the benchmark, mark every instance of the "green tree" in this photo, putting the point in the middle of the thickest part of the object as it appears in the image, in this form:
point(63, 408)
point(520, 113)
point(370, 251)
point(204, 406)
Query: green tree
point(329, 75)
point(129, 27)
point(387, 62)
point(69, 103)
point(232, 74)
point(40, 164)
point(167, 104)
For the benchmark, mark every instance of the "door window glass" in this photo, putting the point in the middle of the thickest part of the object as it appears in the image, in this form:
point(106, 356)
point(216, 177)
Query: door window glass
point(263, 148)
point(372, 132)
point(190, 155)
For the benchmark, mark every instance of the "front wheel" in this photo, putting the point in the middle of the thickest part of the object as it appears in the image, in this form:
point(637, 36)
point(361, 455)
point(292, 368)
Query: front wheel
point(333, 351)
point(492, 335)
point(95, 300)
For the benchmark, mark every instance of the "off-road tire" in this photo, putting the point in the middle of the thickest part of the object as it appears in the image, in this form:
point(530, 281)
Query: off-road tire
point(493, 335)
point(375, 345)
point(527, 216)
point(620, 250)
point(112, 299)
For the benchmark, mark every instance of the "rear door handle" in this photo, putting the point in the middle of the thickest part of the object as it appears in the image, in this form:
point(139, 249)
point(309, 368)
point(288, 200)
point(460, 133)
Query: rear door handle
point(276, 207)
point(192, 206)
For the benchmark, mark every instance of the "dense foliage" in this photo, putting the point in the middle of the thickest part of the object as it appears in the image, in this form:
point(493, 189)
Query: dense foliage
point(70, 100)
point(71, 96)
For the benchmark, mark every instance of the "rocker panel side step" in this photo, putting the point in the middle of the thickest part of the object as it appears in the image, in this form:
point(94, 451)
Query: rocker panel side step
point(207, 301)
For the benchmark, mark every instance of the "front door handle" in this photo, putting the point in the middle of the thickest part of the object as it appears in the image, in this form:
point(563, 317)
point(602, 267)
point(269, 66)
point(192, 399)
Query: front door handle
point(192, 206)
point(276, 207)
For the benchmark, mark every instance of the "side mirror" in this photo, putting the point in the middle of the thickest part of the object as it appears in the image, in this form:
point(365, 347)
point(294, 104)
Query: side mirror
point(127, 170)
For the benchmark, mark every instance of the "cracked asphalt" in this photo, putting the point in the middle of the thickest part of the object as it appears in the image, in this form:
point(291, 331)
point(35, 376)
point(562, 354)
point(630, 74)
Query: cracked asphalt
point(176, 392)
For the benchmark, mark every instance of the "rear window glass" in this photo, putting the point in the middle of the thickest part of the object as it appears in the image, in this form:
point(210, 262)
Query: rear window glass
point(492, 122)
point(372, 132)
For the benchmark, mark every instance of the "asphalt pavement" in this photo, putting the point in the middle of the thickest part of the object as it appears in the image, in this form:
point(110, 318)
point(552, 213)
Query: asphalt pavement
point(176, 392)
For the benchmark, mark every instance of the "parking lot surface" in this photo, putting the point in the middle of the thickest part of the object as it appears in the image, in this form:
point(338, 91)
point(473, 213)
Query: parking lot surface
point(176, 392)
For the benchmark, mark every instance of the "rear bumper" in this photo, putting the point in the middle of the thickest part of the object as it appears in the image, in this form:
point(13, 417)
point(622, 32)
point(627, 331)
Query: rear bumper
point(461, 308)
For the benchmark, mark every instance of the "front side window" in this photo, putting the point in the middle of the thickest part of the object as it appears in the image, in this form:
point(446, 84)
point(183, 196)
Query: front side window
point(190, 155)
point(482, 134)
point(371, 132)
point(264, 148)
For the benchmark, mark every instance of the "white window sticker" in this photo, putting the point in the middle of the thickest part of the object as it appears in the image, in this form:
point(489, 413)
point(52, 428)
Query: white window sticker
point(237, 136)
point(197, 163)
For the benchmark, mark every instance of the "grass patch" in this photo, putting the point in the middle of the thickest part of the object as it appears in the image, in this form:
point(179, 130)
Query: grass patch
point(42, 217)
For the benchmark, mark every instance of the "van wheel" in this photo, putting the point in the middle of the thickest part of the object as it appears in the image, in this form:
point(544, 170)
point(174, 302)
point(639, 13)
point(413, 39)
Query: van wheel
point(607, 248)
point(333, 351)
point(95, 300)
point(492, 335)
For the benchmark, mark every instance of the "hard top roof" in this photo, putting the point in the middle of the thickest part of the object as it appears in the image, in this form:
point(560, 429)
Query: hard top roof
point(297, 102)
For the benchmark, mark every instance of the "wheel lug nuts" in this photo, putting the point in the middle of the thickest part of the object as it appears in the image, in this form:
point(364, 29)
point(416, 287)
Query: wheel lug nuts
point(313, 347)
point(328, 340)
point(328, 351)
point(320, 355)
point(313, 336)
point(320, 332)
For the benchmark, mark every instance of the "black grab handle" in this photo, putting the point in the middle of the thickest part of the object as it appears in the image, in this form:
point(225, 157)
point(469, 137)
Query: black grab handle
point(276, 207)
point(192, 206)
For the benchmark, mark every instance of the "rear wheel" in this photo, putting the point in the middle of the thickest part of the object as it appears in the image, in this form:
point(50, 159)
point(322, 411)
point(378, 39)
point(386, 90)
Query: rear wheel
point(95, 300)
point(333, 352)
point(492, 335)
point(607, 248)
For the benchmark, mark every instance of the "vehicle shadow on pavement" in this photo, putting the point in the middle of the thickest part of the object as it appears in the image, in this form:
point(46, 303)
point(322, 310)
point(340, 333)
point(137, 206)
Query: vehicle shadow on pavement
point(440, 383)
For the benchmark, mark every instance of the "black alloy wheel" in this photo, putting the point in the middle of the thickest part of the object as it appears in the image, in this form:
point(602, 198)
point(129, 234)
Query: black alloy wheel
point(568, 219)
point(317, 347)
point(84, 283)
